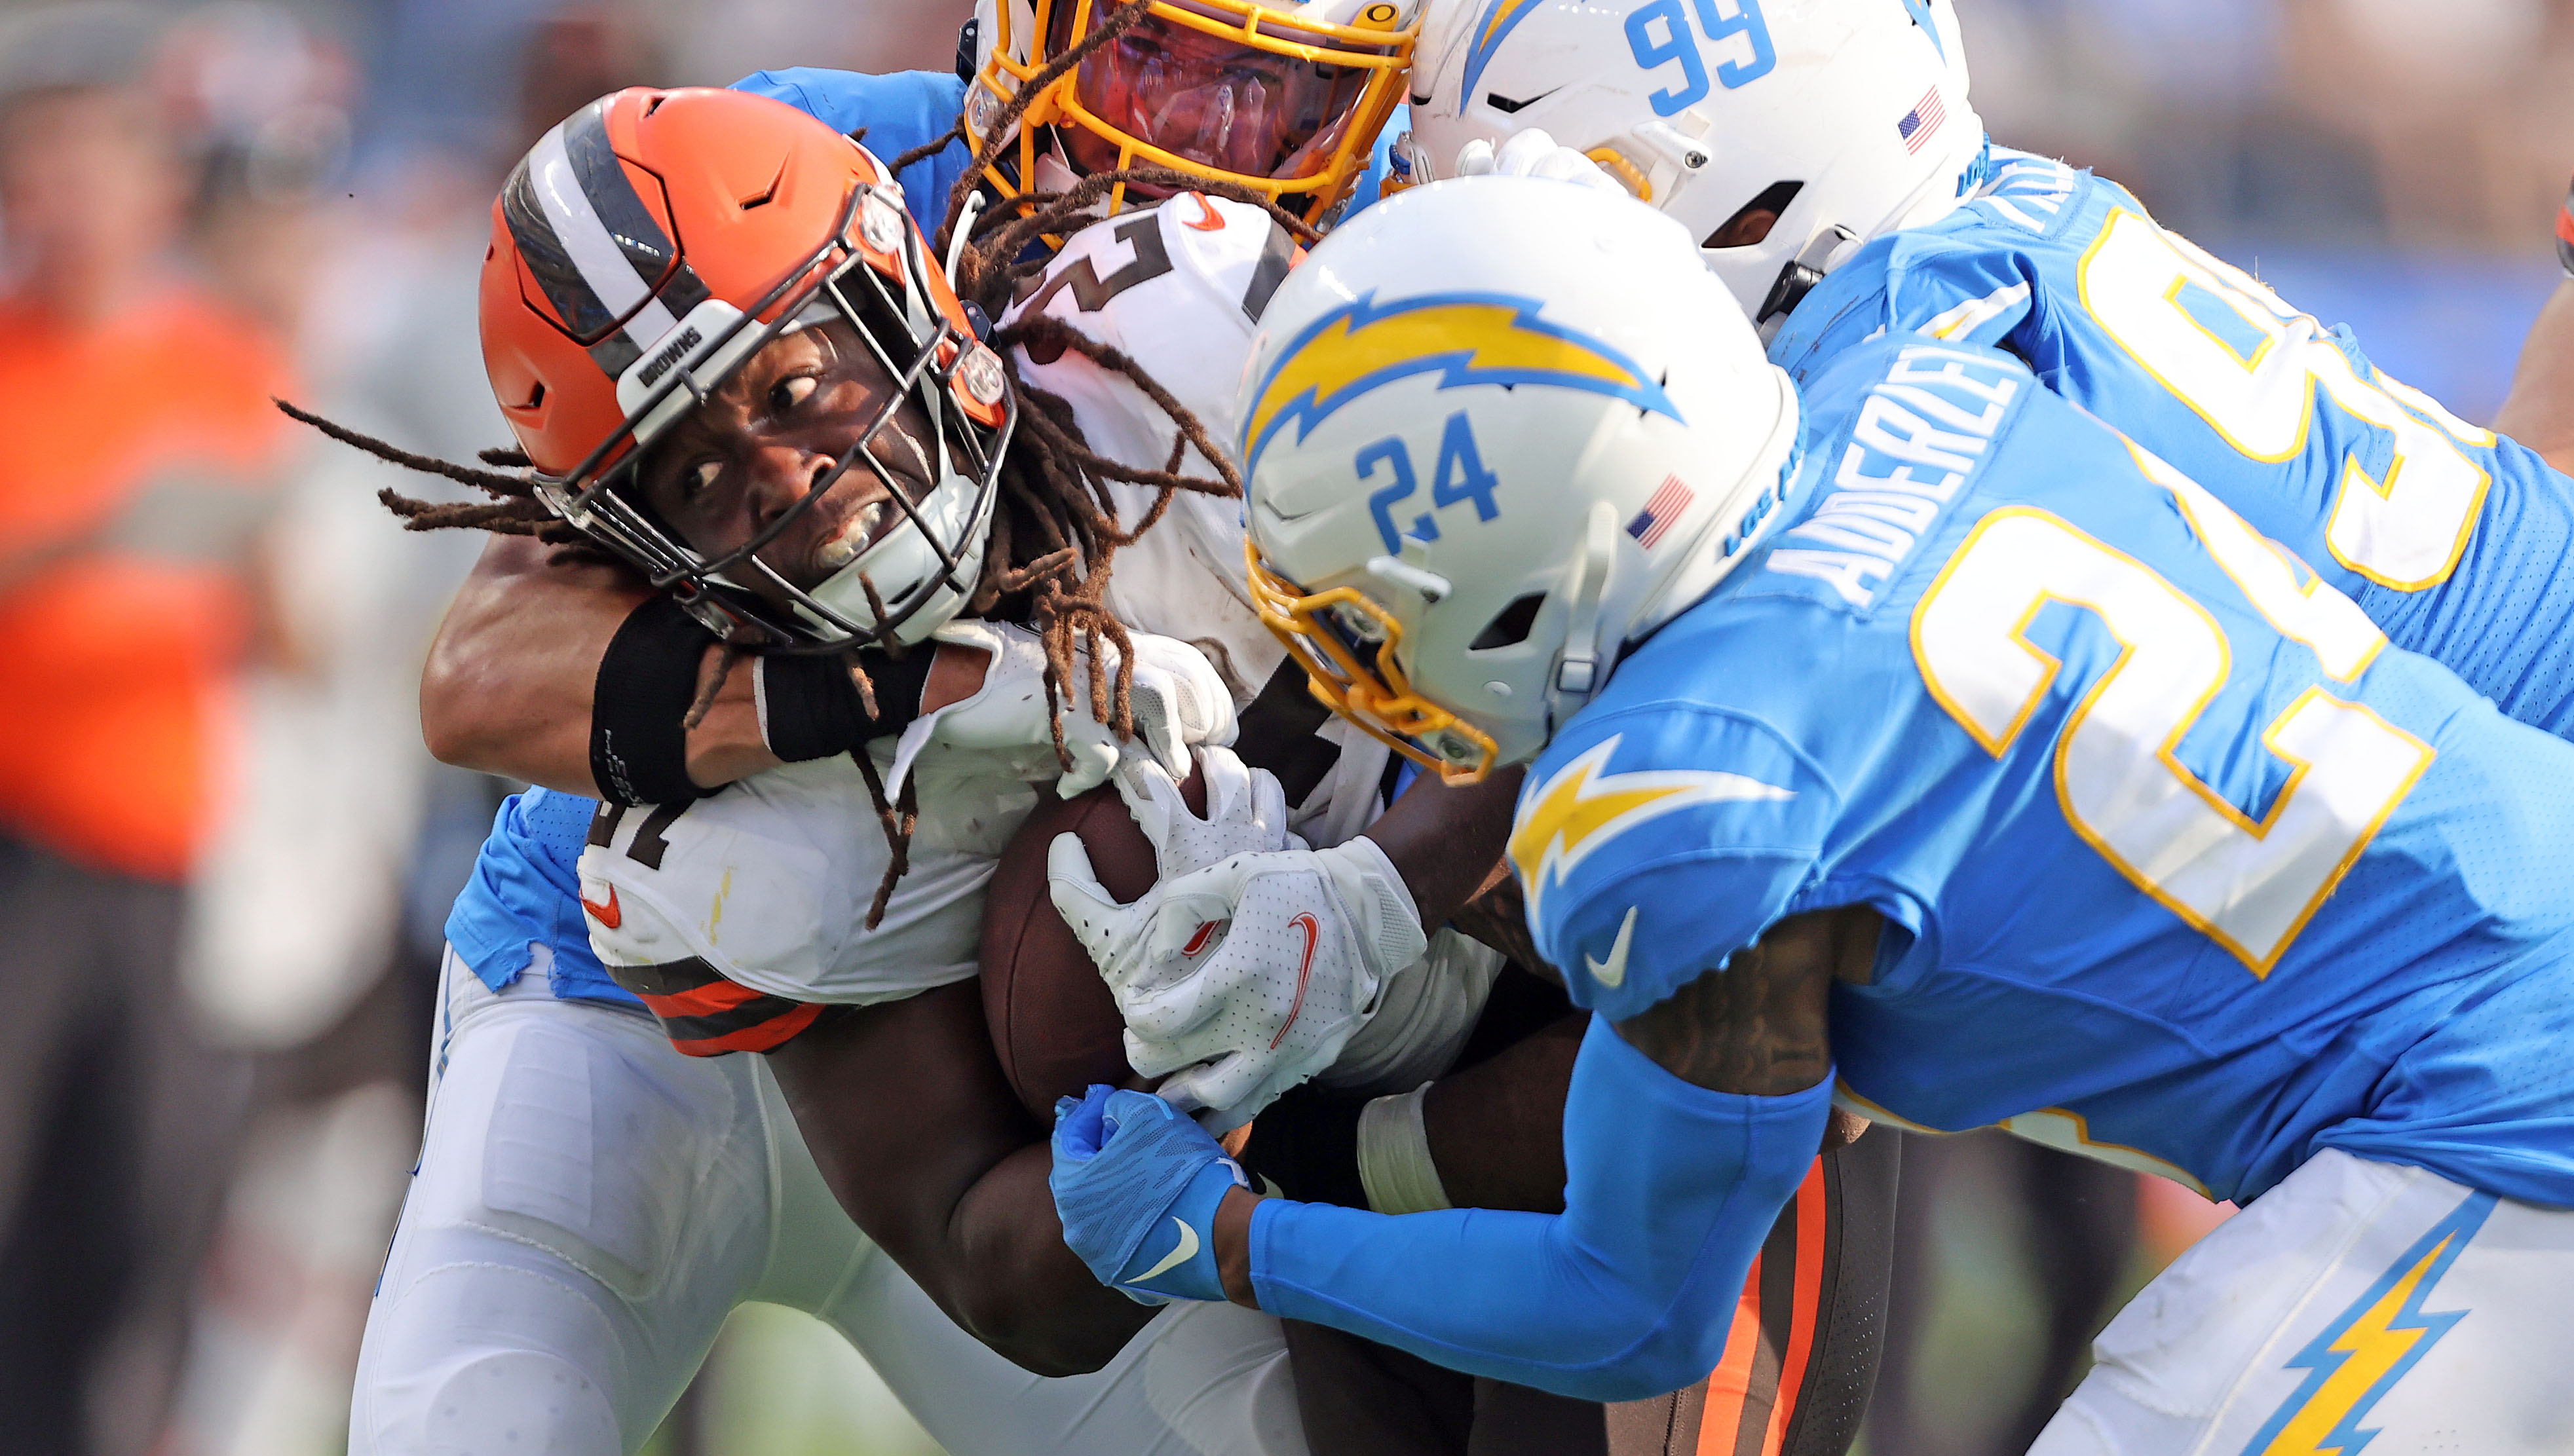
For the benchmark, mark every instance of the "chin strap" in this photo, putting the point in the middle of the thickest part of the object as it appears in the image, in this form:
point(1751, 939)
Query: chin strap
point(1577, 671)
point(964, 233)
point(1797, 277)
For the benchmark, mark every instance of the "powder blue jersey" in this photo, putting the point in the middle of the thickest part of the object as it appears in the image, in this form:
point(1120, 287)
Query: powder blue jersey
point(526, 892)
point(2459, 545)
point(2181, 861)
point(525, 887)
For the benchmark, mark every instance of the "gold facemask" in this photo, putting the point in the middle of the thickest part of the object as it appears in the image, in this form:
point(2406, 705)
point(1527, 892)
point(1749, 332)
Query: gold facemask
point(1301, 130)
point(1346, 645)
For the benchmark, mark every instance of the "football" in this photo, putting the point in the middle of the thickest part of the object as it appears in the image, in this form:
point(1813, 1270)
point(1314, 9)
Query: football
point(1054, 1027)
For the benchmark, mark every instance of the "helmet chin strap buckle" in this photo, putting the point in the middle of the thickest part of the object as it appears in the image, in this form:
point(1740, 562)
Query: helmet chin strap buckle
point(1428, 585)
point(1577, 673)
point(1797, 277)
point(1674, 147)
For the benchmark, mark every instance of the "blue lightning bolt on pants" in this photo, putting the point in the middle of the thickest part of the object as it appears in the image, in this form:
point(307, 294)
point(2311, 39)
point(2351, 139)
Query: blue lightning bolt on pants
point(2354, 1297)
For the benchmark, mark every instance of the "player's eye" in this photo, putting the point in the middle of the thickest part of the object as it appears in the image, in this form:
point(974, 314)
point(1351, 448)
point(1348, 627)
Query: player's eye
point(789, 392)
point(699, 479)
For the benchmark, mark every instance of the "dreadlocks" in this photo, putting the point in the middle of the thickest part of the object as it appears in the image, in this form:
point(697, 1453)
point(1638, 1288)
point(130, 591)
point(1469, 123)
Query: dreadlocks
point(1055, 535)
point(516, 510)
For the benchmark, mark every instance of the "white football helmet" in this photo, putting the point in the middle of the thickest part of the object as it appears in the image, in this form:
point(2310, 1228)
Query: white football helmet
point(1847, 118)
point(1493, 428)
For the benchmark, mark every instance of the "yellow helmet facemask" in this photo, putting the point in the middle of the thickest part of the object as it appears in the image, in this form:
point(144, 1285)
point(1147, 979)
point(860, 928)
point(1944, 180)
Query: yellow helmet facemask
point(1346, 645)
point(1276, 98)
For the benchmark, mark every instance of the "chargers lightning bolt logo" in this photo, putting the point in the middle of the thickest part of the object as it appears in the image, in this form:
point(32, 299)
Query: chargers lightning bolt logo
point(1488, 35)
point(2361, 1355)
point(1566, 820)
point(1470, 338)
point(1921, 10)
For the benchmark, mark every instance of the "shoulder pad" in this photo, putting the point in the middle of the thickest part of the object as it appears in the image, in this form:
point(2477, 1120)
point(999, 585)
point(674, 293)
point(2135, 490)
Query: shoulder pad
point(2027, 192)
point(731, 880)
point(1903, 428)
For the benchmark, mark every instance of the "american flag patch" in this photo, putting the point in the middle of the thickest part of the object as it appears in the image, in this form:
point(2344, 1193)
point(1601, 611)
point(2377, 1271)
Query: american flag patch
point(1670, 503)
point(1921, 121)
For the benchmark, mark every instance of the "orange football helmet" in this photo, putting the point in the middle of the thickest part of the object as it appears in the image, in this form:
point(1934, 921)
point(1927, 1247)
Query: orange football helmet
point(657, 240)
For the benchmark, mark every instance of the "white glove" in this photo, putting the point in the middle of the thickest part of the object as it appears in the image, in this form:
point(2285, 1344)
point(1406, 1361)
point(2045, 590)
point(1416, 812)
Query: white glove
point(1246, 815)
point(1533, 153)
point(1177, 701)
point(1252, 973)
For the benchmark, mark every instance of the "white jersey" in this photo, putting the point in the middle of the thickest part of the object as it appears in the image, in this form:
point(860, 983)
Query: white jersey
point(767, 886)
point(1178, 289)
point(746, 912)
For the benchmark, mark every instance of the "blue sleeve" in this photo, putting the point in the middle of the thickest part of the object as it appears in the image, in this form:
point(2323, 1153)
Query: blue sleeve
point(1628, 1293)
point(899, 112)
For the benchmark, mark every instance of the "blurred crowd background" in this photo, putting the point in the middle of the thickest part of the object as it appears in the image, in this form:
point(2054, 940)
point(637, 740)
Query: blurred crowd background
point(225, 858)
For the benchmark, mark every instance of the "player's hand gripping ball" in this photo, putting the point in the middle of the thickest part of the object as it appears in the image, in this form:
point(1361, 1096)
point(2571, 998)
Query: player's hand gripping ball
point(1253, 961)
point(1137, 1184)
point(1055, 1026)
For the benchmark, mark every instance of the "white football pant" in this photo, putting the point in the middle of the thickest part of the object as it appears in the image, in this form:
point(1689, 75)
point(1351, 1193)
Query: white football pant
point(589, 1207)
point(2356, 1304)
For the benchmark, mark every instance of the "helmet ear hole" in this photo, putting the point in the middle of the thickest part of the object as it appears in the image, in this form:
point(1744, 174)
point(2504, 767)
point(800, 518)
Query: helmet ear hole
point(1509, 626)
point(1745, 227)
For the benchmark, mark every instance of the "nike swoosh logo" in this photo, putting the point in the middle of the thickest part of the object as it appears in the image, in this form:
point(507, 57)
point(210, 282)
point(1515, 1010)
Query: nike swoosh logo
point(1304, 973)
point(1197, 942)
point(1506, 106)
point(610, 914)
point(1613, 971)
point(1208, 219)
point(1187, 1250)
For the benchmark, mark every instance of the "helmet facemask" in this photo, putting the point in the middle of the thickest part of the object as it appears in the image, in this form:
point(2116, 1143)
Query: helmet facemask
point(1348, 645)
point(867, 283)
point(1278, 101)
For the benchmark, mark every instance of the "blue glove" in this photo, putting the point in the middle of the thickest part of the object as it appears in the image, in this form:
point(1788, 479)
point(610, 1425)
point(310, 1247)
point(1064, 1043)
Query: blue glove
point(1136, 1183)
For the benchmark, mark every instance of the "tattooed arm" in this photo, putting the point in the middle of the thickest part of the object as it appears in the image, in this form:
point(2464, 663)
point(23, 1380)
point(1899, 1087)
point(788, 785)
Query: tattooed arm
point(1687, 1129)
point(1757, 1026)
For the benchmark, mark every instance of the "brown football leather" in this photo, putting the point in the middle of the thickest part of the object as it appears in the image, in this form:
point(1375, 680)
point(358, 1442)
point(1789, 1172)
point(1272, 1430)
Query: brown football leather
point(1054, 1027)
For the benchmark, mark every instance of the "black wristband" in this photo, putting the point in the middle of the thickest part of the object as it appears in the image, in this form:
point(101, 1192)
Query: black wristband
point(1307, 1144)
point(810, 709)
point(638, 739)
